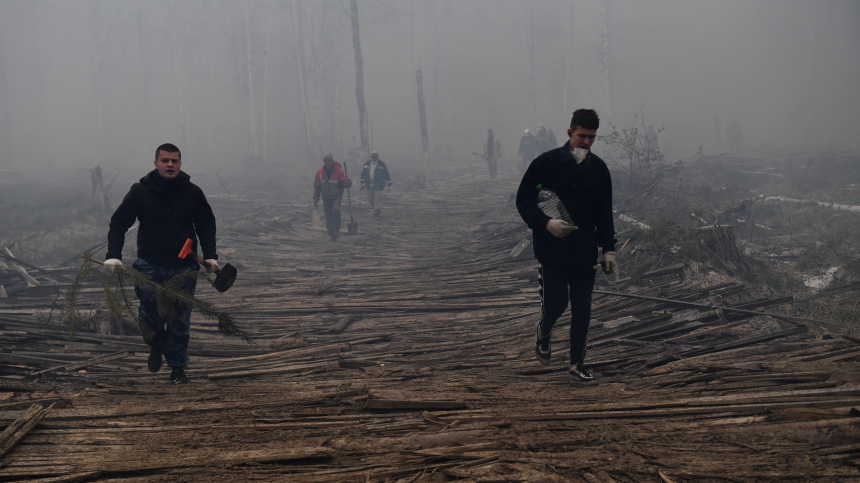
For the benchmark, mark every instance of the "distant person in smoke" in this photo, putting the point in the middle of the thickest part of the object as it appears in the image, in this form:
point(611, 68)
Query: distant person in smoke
point(567, 253)
point(528, 150)
point(329, 184)
point(171, 210)
point(375, 177)
point(545, 139)
point(734, 137)
point(492, 152)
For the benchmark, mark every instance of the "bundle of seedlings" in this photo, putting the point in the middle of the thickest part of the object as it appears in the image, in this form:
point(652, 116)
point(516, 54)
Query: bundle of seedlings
point(121, 282)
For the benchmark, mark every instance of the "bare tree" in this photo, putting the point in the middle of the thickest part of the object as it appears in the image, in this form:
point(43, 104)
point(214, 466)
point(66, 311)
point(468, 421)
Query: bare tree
point(605, 59)
point(425, 142)
point(300, 47)
point(266, 61)
point(255, 143)
point(568, 109)
point(526, 31)
point(359, 80)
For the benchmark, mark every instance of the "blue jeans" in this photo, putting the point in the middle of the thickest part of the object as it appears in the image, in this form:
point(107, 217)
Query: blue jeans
point(171, 336)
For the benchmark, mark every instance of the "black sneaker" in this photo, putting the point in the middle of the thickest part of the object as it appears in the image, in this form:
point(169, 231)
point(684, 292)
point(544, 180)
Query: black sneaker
point(579, 375)
point(178, 376)
point(543, 348)
point(153, 363)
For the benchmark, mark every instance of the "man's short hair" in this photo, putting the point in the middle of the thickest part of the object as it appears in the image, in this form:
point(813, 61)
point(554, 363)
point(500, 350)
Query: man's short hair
point(585, 118)
point(168, 148)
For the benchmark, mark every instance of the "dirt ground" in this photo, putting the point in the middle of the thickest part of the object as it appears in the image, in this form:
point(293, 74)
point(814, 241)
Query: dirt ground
point(434, 378)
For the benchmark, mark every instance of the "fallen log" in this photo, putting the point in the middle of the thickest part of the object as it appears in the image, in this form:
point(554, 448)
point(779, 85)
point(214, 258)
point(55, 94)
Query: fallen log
point(342, 324)
point(787, 318)
point(413, 404)
point(25, 424)
point(80, 365)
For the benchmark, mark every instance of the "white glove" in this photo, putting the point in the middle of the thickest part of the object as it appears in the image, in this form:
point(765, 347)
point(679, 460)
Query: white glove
point(609, 264)
point(111, 263)
point(560, 228)
point(213, 265)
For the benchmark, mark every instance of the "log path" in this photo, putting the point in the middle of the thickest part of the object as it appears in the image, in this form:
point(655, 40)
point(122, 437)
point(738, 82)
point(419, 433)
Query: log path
point(406, 354)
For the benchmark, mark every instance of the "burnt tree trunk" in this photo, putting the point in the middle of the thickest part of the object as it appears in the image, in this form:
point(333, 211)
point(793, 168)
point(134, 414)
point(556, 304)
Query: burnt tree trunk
point(99, 198)
point(359, 81)
point(300, 49)
point(425, 142)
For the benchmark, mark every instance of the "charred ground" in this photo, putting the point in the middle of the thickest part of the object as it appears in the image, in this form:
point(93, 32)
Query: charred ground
point(405, 353)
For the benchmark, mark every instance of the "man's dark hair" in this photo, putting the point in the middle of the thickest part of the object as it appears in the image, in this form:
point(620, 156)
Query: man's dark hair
point(585, 118)
point(168, 148)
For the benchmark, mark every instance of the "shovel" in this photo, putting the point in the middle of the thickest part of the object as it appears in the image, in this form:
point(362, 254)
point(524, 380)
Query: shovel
point(224, 277)
point(352, 226)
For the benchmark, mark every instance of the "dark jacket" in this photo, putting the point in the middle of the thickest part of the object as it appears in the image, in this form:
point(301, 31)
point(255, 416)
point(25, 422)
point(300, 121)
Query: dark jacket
point(545, 141)
point(165, 224)
point(528, 147)
point(586, 191)
point(380, 176)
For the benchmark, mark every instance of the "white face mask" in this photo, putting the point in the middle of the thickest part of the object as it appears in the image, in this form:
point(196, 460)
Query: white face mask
point(579, 154)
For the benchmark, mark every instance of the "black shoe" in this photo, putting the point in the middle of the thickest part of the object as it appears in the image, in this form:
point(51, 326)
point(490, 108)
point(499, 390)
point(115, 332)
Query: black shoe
point(178, 376)
point(543, 348)
point(377, 214)
point(579, 375)
point(153, 363)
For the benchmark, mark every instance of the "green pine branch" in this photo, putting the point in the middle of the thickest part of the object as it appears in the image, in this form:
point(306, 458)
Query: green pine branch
point(169, 295)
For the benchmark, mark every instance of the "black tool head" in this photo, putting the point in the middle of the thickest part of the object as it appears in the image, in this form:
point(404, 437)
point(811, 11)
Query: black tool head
point(225, 278)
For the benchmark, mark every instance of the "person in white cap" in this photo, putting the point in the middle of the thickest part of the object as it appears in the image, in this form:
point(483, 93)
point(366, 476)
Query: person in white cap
point(375, 177)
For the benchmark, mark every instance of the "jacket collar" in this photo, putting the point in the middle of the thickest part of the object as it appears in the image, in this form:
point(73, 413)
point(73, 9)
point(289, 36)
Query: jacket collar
point(149, 180)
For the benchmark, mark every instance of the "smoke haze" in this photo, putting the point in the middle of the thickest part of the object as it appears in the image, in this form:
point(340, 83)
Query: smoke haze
point(91, 81)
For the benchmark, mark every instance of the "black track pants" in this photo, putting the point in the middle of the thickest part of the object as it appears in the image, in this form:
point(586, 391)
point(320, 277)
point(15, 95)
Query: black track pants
point(558, 285)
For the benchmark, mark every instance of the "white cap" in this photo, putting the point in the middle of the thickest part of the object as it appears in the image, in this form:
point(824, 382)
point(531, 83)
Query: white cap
point(527, 131)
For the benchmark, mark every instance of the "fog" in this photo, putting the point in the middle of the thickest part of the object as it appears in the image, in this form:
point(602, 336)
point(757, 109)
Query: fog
point(90, 81)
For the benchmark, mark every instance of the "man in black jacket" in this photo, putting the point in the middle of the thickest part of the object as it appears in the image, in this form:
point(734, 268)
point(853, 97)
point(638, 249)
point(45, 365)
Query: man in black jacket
point(171, 210)
point(567, 253)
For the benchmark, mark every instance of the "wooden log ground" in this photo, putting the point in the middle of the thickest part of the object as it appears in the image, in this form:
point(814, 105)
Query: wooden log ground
point(436, 372)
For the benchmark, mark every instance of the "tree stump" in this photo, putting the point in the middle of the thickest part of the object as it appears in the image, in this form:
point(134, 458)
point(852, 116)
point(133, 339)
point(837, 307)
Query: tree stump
point(720, 241)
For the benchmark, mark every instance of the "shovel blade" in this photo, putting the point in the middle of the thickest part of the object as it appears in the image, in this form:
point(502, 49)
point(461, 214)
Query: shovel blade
point(225, 278)
point(352, 228)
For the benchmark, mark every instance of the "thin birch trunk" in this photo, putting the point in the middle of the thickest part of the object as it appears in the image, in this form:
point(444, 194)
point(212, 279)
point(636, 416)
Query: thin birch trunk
point(605, 59)
point(255, 144)
point(266, 58)
point(178, 80)
point(528, 44)
point(359, 81)
point(568, 109)
point(319, 81)
point(300, 47)
point(425, 142)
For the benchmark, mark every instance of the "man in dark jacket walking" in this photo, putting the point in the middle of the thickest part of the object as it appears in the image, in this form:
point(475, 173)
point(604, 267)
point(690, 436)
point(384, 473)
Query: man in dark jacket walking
point(375, 177)
point(329, 184)
point(567, 253)
point(171, 210)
